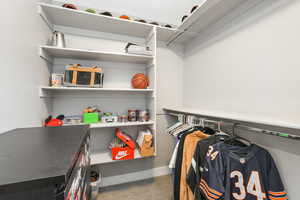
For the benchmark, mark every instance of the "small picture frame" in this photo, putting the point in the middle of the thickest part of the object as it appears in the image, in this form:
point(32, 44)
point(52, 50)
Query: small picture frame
point(57, 80)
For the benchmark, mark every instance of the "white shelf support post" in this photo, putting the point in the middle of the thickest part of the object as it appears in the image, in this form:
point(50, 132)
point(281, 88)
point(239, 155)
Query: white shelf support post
point(151, 41)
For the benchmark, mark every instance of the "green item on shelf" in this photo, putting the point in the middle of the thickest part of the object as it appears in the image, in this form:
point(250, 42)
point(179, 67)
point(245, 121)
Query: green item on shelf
point(107, 114)
point(90, 118)
point(91, 10)
point(283, 134)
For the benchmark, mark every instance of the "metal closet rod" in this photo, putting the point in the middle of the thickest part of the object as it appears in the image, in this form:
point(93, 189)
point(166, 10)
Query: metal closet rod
point(248, 128)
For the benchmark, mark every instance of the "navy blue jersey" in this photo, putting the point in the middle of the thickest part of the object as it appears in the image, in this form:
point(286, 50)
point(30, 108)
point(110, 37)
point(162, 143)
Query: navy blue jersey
point(240, 173)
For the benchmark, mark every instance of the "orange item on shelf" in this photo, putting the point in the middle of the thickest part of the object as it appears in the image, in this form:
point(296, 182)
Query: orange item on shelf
point(140, 81)
point(54, 123)
point(70, 6)
point(125, 138)
point(124, 17)
point(119, 153)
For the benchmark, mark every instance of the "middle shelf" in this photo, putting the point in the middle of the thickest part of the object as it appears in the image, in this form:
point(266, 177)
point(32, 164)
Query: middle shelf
point(47, 91)
point(115, 124)
point(49, 53)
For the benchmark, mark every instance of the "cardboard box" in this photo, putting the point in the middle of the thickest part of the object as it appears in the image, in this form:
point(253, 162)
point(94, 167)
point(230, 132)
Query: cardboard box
point(119, 153)
point(125, 138)
point(147, 149)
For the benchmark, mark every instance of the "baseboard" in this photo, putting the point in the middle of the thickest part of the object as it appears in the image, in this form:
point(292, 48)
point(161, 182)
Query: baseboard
point(136, 176)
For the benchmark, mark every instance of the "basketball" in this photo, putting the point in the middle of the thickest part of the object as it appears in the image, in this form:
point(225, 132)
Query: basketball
point(140, 81)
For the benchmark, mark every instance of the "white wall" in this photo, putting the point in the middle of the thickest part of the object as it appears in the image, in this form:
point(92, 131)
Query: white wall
point(22, 30)
point(253, 72)
point(167, 11)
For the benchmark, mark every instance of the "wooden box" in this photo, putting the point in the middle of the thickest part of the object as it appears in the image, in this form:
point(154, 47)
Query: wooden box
point(77, 76)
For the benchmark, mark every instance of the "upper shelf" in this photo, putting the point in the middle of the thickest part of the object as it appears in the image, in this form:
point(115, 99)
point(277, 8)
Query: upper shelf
point(56, 15)
point(209, 13)
point(49, 52)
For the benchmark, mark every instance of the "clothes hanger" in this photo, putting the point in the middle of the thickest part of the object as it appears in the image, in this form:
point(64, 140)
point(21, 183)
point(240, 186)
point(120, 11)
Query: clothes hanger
point(181, 129)
point(222, 136)
point(237, 140)
point(179, 122)
point(219, 130)
point(207, 130)
point(178, 125)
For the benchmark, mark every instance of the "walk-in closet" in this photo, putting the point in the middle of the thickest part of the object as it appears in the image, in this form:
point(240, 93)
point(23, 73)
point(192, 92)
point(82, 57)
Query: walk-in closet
point(153, 100)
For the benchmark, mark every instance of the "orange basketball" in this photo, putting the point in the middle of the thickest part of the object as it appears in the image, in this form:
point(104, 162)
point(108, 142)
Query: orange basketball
point(140, 81)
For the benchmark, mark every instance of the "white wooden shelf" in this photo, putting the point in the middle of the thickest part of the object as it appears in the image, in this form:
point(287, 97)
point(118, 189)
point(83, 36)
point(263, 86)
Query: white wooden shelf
point(96, 89)
point(102, 157)
point(116, 124)
point(89, 25)
point(48, 91)
point(49, 53)
point(57, 15)
point(120, 124)
point(209, 13)
point(231, 117)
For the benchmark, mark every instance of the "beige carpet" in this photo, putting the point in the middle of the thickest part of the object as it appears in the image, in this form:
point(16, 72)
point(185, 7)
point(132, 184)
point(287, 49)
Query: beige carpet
point(159, 188)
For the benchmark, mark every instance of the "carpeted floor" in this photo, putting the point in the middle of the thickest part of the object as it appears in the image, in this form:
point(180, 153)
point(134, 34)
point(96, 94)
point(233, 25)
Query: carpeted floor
point(159, 188)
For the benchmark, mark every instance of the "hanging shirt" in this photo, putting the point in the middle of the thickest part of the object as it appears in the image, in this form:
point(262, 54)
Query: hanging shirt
point(173, 158)
point(190, 144)
point(178, 165)
point(234, 173)
point(194, 173)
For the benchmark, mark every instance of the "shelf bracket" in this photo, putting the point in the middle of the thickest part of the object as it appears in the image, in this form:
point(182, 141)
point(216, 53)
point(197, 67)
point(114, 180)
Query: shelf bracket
point(175, 37)
point(42, 13)
point(44, 55)
point(150, 64)
point(43, 93)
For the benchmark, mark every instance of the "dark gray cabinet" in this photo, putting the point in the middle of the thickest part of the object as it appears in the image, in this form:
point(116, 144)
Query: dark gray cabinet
point(45, 163)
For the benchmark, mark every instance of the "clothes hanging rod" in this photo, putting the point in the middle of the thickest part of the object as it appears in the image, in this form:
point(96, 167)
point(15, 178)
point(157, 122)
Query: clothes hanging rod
point(269, 132)
point(232, 117)
point(248, 128)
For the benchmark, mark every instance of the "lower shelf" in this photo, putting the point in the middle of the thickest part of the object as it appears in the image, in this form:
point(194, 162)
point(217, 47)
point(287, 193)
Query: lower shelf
point(102, 157)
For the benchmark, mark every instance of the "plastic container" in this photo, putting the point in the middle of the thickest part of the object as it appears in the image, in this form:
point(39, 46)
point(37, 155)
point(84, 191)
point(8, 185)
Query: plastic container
point(90, 118)
point(95, 184)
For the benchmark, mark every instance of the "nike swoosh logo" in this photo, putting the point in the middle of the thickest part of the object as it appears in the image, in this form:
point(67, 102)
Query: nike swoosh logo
point(120, 157)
